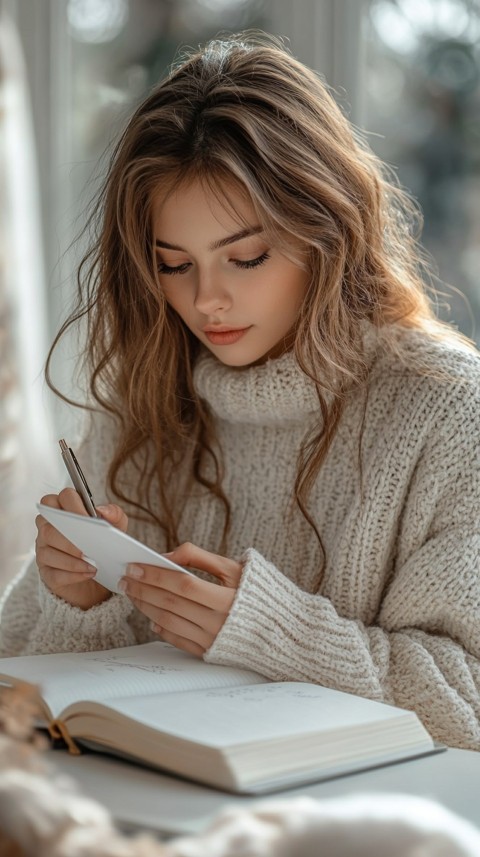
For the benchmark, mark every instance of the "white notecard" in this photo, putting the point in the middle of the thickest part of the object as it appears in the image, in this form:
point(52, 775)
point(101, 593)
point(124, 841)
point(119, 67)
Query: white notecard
point(104, 546)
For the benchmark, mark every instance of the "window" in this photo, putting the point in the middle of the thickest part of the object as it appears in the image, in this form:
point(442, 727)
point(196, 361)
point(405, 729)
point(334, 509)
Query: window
point(423, 105)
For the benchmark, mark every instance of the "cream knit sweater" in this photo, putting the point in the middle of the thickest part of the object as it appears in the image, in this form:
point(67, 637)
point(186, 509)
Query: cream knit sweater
point(395, 616)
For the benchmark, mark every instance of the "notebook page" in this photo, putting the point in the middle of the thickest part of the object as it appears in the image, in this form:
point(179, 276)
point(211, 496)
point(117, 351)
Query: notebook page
point(224, 717)
point(131, 671)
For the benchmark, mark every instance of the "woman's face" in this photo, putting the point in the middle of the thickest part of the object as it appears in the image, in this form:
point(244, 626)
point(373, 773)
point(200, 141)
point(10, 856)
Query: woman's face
point(238, 295)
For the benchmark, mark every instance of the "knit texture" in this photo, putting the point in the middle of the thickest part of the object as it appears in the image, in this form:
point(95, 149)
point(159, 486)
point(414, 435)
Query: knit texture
point(394, 611)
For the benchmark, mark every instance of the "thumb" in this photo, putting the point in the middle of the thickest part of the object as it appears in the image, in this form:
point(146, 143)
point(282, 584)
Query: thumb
point(114, 515)
point(228, 571)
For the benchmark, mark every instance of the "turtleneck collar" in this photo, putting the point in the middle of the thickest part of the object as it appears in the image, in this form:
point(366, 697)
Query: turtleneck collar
point(276, 391)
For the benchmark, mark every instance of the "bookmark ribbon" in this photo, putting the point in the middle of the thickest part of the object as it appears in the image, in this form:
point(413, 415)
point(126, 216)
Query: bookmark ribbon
point(57, 729)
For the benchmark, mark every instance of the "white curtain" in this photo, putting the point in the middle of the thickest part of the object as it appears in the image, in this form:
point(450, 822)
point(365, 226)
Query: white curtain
point(25, 436)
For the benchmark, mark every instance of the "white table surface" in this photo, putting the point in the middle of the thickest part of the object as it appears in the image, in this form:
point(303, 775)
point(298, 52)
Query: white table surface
point(141, 798)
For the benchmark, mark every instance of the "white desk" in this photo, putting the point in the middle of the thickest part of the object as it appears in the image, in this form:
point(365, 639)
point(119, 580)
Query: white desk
point(138, 797)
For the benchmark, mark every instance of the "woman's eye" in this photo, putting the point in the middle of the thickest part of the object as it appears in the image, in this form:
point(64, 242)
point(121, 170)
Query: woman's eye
point(252, 263)
point(166, 269)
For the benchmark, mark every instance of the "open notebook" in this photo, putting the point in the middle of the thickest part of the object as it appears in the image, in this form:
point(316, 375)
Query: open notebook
point(225, 727)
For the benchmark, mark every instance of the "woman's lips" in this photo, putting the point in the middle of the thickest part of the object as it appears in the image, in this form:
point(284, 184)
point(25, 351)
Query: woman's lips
point(225, 337)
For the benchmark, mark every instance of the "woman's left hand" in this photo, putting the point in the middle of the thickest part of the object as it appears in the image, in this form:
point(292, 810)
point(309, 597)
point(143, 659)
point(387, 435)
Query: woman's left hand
point(183, 609)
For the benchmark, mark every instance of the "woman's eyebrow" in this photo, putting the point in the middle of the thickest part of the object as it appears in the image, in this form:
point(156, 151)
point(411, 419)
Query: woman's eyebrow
point(215, 245)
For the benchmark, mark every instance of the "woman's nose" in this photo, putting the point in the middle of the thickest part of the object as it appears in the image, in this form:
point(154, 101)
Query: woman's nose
point(211, 296)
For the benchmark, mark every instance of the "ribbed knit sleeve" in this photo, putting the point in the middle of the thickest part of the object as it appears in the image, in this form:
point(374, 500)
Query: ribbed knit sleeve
point(423, 649)
point(35, 621)
point(51, 625)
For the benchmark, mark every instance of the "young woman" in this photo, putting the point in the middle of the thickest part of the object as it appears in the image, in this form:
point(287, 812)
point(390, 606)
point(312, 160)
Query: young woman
point(275, 403)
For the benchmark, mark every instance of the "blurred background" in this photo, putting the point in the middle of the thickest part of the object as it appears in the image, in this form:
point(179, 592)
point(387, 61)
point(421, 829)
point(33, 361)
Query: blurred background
point(406, 71)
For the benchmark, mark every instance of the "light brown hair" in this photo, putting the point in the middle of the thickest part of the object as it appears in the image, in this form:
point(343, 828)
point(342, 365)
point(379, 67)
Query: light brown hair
point(241, 110)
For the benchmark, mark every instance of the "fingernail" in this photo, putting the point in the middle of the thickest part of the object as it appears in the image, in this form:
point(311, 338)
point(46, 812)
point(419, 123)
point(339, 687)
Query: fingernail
point(135, 571)
point(92, 569)
point(170, 553)
point(105, 510)
point(122, 585)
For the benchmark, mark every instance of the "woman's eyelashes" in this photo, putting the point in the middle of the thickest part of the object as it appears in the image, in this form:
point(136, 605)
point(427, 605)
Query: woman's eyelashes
point(179, 269)
point(163, 268)
point(251, 263)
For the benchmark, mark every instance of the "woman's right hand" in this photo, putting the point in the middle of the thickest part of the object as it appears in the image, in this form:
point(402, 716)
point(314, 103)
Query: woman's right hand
point(60, 563)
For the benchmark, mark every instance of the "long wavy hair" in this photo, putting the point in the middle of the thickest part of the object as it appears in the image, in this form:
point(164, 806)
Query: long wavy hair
point(240, 111)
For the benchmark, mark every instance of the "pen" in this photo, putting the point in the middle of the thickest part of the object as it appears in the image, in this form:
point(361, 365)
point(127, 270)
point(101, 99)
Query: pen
point(78, 479)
